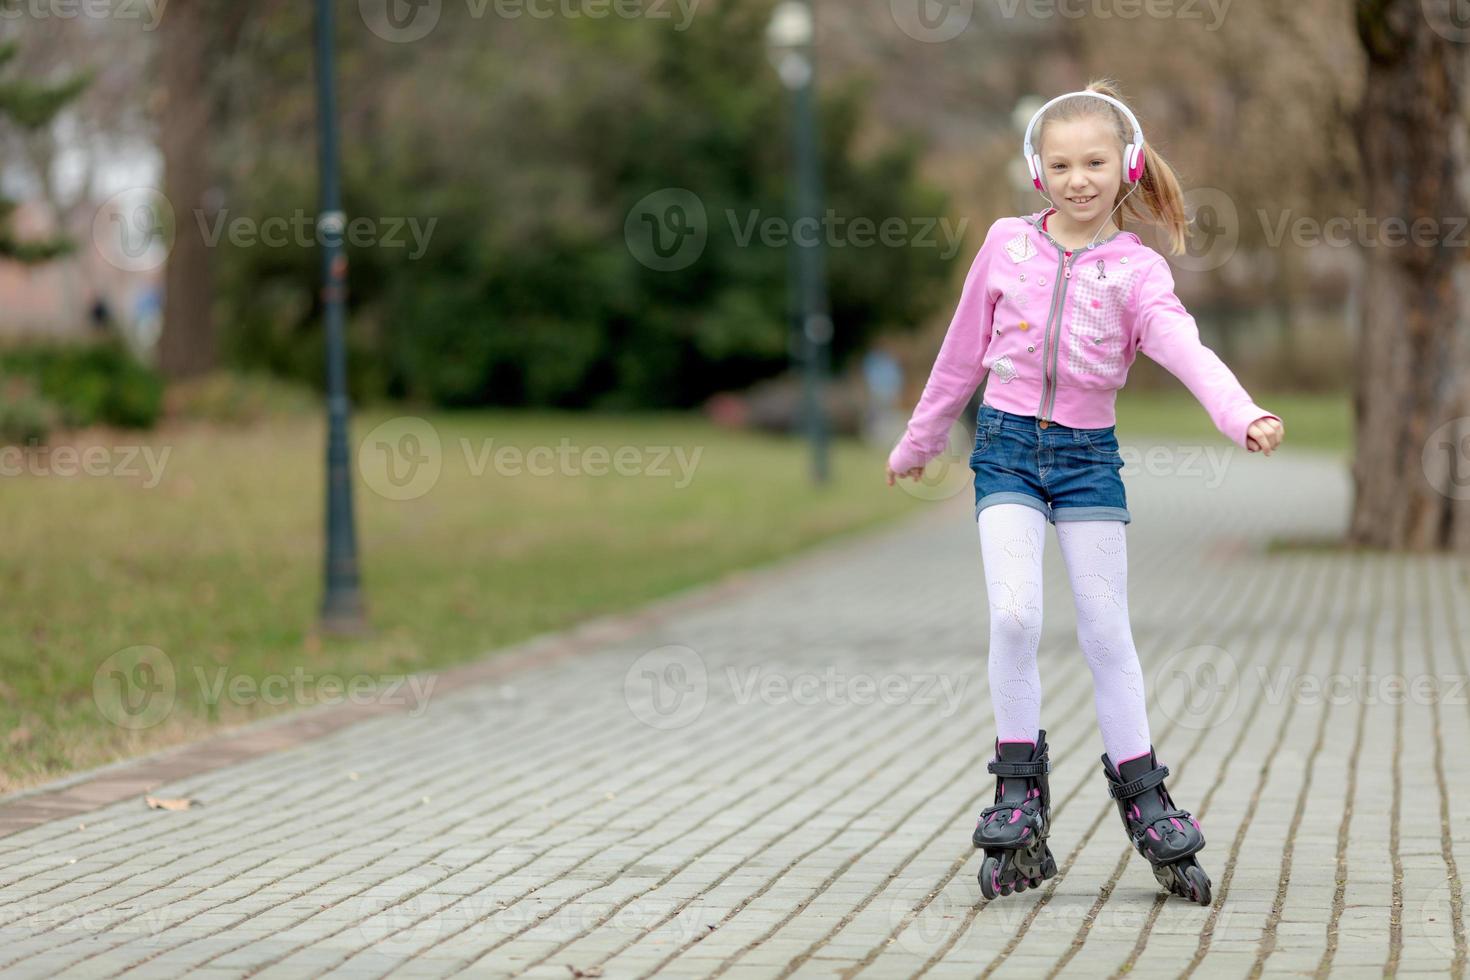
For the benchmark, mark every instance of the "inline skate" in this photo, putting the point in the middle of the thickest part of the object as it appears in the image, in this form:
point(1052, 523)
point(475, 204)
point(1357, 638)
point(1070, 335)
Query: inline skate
point(1013, 831)
point(1164, 834)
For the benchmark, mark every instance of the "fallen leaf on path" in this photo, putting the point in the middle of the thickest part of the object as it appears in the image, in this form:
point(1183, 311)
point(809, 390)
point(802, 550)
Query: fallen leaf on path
point(158, 803)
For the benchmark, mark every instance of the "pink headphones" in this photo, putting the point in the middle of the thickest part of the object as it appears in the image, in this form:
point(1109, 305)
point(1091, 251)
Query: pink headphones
point(1132, 153)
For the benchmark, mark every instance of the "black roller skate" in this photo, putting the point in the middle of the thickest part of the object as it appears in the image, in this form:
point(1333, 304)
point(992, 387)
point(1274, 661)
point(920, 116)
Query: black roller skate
point(1164, 834)
point(1013, 832)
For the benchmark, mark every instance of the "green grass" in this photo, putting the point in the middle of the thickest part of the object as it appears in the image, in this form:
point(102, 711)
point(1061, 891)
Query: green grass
point(1312, 421)
point(219, 564)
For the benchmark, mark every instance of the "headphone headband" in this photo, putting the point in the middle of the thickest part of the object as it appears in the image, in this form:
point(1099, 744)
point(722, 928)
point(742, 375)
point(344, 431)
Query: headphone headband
point(1132, 153)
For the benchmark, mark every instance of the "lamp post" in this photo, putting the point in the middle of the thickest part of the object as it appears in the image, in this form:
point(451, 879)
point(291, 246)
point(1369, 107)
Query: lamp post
point(789, 39)
point(342, 607)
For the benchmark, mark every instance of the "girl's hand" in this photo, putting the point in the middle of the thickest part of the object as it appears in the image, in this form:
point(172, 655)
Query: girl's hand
point(1264, 434)
point(917, 473)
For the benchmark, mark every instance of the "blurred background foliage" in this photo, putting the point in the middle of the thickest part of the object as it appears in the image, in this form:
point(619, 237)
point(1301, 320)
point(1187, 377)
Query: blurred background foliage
point(529, 152)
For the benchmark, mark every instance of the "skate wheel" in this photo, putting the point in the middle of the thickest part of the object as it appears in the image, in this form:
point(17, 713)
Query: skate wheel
point(1199, 884)
point(990, 877)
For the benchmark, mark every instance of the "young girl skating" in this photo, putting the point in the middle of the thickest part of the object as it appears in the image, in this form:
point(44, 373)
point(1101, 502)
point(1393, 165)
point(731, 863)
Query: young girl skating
point(1055, 308)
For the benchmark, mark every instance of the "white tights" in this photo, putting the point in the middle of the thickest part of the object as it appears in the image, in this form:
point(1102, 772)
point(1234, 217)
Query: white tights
point(1096, 555)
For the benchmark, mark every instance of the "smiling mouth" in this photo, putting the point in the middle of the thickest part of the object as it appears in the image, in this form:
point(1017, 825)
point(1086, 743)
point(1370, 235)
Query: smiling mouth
point(1081, 200)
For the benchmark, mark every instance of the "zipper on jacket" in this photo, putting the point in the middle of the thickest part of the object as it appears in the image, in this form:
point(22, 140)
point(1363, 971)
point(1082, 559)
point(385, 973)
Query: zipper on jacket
point(1056, 350)
point(1049, 374)
point(1065, 258)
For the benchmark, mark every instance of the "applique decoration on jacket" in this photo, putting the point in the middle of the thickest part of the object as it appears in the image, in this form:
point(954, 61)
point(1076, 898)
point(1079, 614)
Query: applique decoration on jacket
point(1020, 248)
point(1004, 369)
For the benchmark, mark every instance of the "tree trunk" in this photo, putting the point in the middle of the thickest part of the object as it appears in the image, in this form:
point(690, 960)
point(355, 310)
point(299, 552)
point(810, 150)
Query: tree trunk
point(1411, 474)
point(187, 345)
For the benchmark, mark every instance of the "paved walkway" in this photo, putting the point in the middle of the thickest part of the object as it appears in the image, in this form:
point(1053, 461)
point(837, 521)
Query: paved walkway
point(783, 784)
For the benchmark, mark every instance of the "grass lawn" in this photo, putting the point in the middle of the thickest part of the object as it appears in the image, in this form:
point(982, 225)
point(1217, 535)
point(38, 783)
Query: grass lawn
point(218, 565)
point(1318, 422)
point(216, 560)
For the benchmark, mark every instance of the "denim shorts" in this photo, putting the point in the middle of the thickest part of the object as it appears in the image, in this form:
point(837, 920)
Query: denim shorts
point(1067, 474)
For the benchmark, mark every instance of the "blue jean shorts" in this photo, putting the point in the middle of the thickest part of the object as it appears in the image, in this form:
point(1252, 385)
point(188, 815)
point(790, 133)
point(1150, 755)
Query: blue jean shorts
point(1067, 474)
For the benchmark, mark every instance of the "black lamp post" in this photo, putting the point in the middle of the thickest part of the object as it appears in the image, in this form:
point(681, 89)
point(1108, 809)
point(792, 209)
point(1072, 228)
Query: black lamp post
point(342, 606)
point(789, 36)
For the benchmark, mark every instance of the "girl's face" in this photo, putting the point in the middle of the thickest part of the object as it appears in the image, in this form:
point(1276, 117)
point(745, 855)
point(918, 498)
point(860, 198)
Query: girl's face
point(1083, 164)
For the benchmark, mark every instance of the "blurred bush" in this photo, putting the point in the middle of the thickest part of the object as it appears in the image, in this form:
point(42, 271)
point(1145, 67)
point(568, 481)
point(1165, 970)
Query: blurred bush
point(228, 398)
point(25, 417)
point(87, 384)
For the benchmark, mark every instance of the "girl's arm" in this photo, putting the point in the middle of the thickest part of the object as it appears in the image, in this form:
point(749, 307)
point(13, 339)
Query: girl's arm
point(1168, 334)
point(957, 370)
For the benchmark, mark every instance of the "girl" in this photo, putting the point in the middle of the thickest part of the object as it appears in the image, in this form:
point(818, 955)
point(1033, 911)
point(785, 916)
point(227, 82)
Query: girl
point(1054, 309)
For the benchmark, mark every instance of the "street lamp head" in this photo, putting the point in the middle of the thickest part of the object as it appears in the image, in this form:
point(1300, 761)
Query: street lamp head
point(790, 26)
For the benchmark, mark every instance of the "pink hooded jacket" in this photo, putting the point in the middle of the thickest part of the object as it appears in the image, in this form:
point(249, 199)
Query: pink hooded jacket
point(1057, 332)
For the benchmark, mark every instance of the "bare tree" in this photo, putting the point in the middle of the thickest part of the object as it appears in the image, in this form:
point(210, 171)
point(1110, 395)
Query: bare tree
point(1413, 440)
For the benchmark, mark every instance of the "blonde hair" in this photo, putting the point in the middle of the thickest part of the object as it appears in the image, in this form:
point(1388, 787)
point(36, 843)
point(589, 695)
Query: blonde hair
point(1157, 198)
